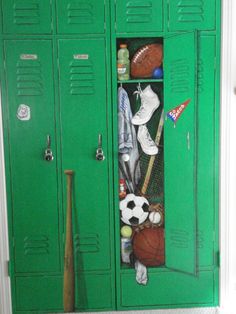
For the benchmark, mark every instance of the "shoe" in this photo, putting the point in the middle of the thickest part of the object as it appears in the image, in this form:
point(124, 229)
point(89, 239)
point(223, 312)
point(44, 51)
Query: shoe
point(149, 103)
point(147, 144)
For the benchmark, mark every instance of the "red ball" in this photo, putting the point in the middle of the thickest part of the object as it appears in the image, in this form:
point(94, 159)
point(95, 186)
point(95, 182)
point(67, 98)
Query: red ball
point(149, 246)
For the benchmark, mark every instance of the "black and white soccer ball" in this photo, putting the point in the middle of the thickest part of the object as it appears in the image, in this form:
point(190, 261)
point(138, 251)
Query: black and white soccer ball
point(134, 209)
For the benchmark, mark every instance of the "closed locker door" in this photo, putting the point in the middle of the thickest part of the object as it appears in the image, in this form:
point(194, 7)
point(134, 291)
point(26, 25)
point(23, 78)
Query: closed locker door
point(139, 16)
point(83, 102)
point(26, 16)
point(185, 15)
point(34, 222)
point(80, 17)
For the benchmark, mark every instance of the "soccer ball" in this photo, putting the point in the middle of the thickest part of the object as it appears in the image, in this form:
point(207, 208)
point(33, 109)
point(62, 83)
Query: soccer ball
point(134, 209)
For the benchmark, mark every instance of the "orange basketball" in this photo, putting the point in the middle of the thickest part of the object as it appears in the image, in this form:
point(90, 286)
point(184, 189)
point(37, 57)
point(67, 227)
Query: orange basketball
point(149, 246)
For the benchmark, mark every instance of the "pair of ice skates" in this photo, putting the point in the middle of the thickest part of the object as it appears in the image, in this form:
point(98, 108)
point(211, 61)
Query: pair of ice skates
point(149, 103)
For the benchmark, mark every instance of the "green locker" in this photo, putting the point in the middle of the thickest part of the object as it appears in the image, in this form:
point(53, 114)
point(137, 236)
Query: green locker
point(26, 17)
point(83, 104)
point(80, 17)
point(60, 87)
point(139, 16)
point(192, 14)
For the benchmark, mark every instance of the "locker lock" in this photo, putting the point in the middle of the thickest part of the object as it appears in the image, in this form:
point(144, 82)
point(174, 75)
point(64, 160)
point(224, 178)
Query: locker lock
point(99, 152)
point(48, 155)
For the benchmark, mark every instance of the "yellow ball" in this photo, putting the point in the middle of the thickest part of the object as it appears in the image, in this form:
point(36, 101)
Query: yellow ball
point(126, 231)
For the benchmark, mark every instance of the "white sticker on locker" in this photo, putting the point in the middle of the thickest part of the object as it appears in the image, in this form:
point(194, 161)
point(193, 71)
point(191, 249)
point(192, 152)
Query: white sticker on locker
point(81, 57)
point(23, 112)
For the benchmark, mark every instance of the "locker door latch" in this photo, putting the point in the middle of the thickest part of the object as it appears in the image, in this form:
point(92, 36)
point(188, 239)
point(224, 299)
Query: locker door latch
point(99, 152)
point(48, 156)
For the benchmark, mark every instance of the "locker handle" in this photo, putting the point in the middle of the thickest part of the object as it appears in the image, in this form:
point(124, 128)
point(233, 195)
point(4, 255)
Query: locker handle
point(99, 152)
point(48, 155)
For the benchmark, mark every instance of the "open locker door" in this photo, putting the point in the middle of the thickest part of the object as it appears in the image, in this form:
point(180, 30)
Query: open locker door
point(180, 152)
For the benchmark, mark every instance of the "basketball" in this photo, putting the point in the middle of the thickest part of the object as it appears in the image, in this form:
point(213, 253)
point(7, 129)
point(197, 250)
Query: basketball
point(149, 246)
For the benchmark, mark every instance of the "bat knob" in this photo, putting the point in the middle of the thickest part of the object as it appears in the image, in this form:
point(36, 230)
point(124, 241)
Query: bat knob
point(69, 172)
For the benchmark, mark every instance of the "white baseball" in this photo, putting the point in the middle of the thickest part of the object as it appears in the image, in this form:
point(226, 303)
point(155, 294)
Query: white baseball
point(155, 217)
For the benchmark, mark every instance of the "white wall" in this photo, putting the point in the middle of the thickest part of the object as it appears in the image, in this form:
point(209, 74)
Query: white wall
point(228, 184)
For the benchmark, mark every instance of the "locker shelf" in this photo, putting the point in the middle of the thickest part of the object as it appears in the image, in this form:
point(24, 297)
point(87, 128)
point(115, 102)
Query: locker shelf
point(140, 81)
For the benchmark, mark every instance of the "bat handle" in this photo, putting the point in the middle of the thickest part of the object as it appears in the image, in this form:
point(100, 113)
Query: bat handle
point(69, 276)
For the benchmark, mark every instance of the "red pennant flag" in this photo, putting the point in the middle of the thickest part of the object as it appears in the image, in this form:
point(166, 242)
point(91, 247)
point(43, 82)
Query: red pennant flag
point(175, 113)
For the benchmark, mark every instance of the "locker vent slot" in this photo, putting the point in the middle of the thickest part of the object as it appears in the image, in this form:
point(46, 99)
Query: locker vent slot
point(26, 12)
point(200, 78)
point(139, 12)
point(88, 243)
point(179, 76)
point(200, 239)
point(80, 12)
point(29, 78)
point(179, 238)
point(36, 245)
point(191, 11)
point(81, 78)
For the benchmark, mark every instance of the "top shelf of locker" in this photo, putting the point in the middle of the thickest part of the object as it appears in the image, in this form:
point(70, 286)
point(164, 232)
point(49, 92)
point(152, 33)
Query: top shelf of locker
point(140, 81)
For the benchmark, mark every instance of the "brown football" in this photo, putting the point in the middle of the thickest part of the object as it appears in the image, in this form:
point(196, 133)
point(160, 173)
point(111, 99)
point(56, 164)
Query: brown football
point(145, 60)
point(149, 246)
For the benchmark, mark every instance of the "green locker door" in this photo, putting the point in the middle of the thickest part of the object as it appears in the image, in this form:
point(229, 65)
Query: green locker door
point(26, 16)
point(35, 253)
point(83, 102)
point(179, 153)
point(139, 16)
point(185, 15)
point(81, 17)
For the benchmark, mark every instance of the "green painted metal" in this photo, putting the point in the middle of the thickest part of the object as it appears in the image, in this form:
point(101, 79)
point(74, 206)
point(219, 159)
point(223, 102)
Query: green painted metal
point(83, 105)
point(206, 148)
point(26, 17)
point(191, 15)
point(80, 17)
point(134, 16)
point(180, 152)
point(166, 290)
point(35, 210)
point(72, 42)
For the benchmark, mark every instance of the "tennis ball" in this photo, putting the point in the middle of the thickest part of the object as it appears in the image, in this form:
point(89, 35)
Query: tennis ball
point(126, 231)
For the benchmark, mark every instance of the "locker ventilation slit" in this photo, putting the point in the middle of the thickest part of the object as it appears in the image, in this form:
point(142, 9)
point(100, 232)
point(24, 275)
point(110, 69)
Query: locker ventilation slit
point(81, 78)
point(179, 239)
point(88, 243)
point(80, 13)
point(36, 245)
point(200, 79)
point(29, 78)
point(26, 13)
point(190, 11)
point(139, 12)
point(179, 76)
point(200, 239)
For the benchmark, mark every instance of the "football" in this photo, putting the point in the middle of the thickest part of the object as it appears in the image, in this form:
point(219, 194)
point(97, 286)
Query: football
point(145, 60)
point(134, 209)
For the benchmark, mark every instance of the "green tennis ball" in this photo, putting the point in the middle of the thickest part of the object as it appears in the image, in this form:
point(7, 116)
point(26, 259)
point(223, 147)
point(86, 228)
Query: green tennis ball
point(126, 231)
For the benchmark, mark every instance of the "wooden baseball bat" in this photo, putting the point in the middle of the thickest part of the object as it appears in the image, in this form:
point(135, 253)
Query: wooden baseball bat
point(69, 274)
point(152, 159)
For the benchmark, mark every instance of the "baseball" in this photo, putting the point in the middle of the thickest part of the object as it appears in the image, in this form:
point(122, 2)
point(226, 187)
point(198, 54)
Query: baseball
point(155, 217)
